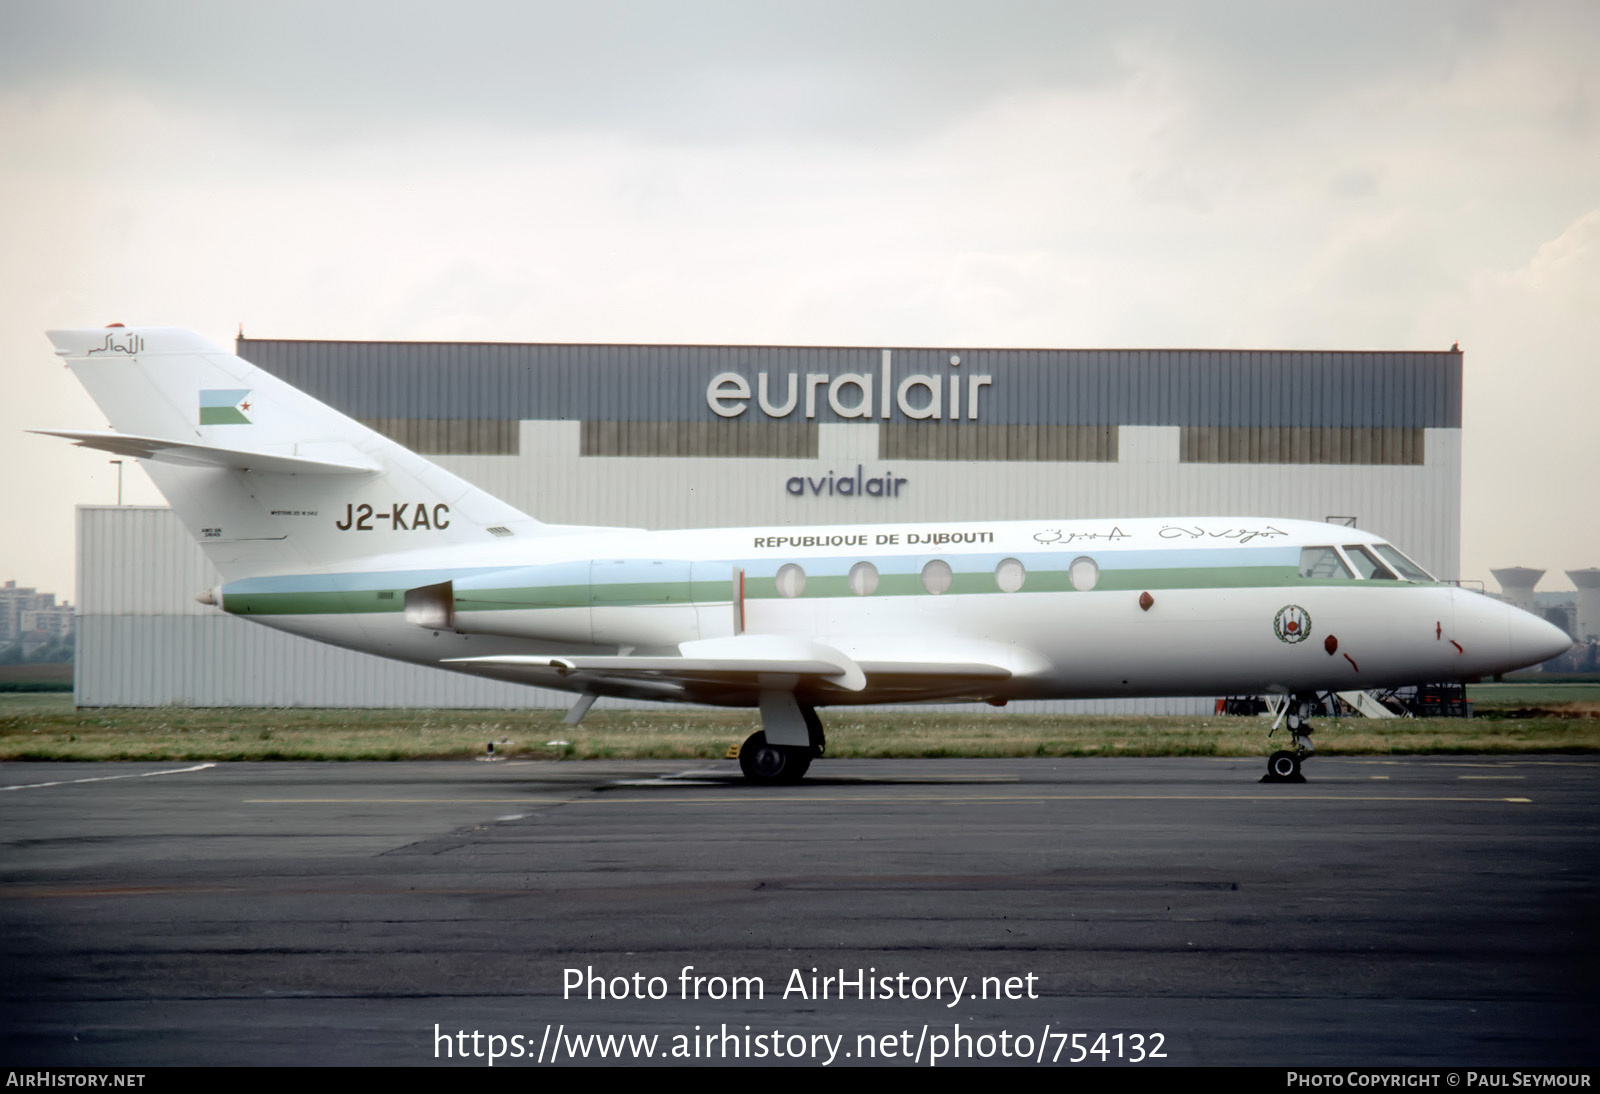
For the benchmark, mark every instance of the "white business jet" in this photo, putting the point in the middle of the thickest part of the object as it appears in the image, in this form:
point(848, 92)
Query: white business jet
point(324, 528)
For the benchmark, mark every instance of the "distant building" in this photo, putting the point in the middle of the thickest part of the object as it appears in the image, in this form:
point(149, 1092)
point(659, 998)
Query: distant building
point(1560, 607)
point(28, 613)
point(54, 622)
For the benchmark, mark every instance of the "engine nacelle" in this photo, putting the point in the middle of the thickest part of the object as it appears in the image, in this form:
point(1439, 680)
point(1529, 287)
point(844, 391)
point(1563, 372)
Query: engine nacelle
point(626, 602)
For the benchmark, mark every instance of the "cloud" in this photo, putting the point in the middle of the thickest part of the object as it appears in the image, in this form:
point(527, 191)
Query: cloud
point(1531, 405)
point(721, 70)
point(695, 70)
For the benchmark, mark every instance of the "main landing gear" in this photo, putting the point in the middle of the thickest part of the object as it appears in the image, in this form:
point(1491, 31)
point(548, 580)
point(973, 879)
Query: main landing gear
point(767, 762)
point(1283, 766)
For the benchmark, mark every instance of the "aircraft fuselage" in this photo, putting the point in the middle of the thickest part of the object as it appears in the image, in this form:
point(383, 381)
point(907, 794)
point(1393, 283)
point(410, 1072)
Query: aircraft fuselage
point(1068, 609)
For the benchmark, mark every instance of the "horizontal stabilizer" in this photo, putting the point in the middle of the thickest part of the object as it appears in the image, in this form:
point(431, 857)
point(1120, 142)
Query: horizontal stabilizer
point(191, 454)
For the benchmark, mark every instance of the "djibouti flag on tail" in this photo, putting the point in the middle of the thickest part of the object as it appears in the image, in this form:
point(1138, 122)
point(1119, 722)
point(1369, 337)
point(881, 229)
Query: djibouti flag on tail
point(224, 407)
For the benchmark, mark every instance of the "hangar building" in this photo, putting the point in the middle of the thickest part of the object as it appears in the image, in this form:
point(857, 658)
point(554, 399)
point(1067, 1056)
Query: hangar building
point(769, 436)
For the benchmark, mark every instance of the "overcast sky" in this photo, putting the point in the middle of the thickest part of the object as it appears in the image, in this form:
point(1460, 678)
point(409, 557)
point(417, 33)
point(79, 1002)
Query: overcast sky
point(1351, 176)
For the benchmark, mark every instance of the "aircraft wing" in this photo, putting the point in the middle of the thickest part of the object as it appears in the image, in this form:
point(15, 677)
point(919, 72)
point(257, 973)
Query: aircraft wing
point(742, 661)
point(752, 663)
point(192, 454)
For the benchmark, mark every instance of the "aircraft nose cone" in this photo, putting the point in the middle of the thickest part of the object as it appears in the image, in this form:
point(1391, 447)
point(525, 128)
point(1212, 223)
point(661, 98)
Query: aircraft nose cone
point(1534, 640)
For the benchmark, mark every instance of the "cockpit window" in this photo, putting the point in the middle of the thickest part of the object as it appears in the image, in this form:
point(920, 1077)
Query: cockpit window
point(1324, 564)
point(1365, 562)
point(1408, 569)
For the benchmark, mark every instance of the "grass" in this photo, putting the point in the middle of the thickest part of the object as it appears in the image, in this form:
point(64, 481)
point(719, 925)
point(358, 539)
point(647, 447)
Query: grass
point(1526, 693)
point(48, 727)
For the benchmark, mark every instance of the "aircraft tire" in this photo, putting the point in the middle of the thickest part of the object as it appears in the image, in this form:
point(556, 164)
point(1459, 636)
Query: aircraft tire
point(772, 765)
point(1283, 766)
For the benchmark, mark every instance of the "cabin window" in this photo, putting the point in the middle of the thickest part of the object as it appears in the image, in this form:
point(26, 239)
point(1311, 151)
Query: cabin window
point(1408, 569)
point(936, 577)
point(1010, 575)
point(791, 580)
point(863, 579)
point(1084, 573)
point(1324, 564)
point(1366, 563)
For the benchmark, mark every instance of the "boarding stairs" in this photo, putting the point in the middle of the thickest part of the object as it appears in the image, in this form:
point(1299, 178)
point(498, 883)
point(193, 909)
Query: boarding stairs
point(1369, 705)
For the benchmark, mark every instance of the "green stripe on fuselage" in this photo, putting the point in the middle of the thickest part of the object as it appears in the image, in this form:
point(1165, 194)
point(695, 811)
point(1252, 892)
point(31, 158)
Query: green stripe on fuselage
point(290, 601)
point(315, 603)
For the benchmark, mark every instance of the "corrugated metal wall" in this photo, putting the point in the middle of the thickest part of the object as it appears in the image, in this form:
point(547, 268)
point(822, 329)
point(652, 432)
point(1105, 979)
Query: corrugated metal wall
point(1418, 506)
point(143, 640)
point(1182, 387)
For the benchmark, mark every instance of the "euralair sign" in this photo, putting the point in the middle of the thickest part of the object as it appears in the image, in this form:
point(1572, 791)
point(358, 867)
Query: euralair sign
point(919, 396)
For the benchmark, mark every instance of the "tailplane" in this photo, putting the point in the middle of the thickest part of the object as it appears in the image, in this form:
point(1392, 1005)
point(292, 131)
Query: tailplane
point(265, 477)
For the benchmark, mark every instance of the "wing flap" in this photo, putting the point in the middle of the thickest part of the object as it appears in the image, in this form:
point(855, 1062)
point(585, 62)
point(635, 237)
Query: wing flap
point(702, 670)
point(967, 670)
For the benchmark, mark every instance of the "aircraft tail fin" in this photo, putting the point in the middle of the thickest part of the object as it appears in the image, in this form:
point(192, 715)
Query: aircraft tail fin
point(264, 476)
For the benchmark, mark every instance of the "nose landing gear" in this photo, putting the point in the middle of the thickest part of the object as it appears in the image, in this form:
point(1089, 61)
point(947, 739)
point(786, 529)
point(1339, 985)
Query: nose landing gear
point(1283, 766)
